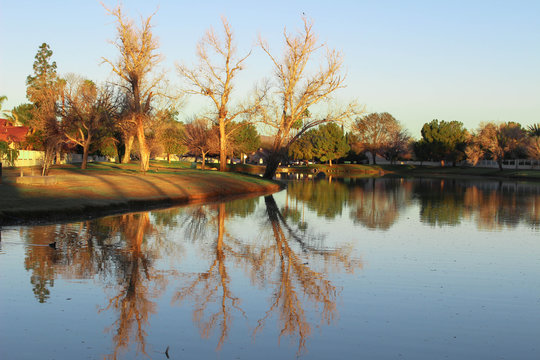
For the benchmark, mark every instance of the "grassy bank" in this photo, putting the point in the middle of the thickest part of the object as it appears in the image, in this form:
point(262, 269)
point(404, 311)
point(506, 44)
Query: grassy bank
point(312, 168)
point(111, 188)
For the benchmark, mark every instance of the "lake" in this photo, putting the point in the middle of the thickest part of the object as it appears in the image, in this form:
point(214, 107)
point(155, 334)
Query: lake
point(385, 268)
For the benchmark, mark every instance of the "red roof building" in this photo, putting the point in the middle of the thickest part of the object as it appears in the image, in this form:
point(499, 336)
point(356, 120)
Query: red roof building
point(10, 133)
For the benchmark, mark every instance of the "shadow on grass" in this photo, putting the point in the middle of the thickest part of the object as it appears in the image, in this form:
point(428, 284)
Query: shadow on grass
point(91, 194)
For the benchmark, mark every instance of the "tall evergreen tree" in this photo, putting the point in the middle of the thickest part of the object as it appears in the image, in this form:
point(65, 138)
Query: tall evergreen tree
point(445, 140)
point(44, 89)
point(245, 139)
point(329, 143)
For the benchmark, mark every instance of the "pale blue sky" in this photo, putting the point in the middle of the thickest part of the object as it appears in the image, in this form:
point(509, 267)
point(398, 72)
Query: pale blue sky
point(469, 61)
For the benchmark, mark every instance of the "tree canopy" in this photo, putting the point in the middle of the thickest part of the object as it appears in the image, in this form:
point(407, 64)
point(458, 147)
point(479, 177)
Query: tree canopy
point(498, 142)
point(43, 90)
point(297, 91)
point(136, 68)
point(245, 139)
point(375, 132)
point(444, 140)
point(329, 143)
point(213, 77)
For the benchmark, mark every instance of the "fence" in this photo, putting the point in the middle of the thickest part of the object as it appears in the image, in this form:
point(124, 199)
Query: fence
point(519, 164)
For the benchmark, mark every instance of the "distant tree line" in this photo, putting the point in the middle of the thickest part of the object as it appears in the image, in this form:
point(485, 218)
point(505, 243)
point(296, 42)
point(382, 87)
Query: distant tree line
point(380, 134)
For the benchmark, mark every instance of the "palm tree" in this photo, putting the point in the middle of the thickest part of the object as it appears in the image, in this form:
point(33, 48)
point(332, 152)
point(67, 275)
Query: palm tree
point(2, 99)
point(534, 129)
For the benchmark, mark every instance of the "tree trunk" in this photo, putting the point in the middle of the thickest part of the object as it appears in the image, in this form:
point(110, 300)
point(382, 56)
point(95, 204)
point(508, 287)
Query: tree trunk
point(127, 155)
point(85, 153)
point(374, 155)
point(47, 160)
point(499, 162)
point(58, 158)
point(168, 158)
point(272, 164)
point(203, 159)
point(222, 147)
point(330, 162)
point(143, 148)
point(275, 156)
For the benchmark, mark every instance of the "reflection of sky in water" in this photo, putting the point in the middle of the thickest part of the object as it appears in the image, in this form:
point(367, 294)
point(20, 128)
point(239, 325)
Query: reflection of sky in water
point(418, 287)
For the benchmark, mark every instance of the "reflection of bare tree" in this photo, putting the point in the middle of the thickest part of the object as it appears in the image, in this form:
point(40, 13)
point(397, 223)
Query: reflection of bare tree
point(137, 283)
point(297, 282)
point(285, 257)
point(123, 248)
point(213, 285)
point(113, 248)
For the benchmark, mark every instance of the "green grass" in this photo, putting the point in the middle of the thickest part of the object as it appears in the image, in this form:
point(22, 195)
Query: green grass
point(107, 187)
point(402, 170)
point(155, 167)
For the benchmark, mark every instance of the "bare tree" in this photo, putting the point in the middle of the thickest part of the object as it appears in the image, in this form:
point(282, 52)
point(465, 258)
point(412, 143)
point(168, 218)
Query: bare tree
point(297, 91)
point(138, 59)
point(375, 132)
point(88, 113)
point(200, 138)
point(399, 146)
point(218, 64)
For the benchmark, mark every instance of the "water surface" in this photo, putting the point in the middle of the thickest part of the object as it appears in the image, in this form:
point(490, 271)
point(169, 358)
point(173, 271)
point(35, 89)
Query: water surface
point(348, 268)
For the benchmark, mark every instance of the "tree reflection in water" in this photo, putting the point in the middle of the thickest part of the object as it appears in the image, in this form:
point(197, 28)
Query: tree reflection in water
point(285, 257)
point(377, 202)
point(503, 205)
point(41, 260)
point(493, 205)
point(297, 282)
point(441, 202)
point(113, 248)
point(136, 283)
point(213, 285)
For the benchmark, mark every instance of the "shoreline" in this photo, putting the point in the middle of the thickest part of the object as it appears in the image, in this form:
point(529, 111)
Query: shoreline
point(88, 194)
point(345, 170)
point(106, 189)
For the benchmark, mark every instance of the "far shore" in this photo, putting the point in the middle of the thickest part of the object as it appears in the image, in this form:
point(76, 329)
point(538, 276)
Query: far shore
point(105, 189)
point(402, 171)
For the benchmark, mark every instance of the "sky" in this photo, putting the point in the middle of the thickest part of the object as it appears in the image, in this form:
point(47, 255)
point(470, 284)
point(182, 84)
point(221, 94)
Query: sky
point(470, 61)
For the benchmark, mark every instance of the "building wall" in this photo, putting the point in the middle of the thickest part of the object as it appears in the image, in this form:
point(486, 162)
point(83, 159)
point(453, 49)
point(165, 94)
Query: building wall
point(35, 158)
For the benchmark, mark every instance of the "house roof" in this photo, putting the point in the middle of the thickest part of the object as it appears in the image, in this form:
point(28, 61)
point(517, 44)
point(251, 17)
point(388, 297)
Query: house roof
point(12, 133)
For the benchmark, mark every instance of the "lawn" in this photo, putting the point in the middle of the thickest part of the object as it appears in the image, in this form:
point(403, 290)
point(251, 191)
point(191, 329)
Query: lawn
point(105, 187)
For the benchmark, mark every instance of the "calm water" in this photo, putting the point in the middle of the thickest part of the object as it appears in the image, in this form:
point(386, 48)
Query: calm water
point(340, 269)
